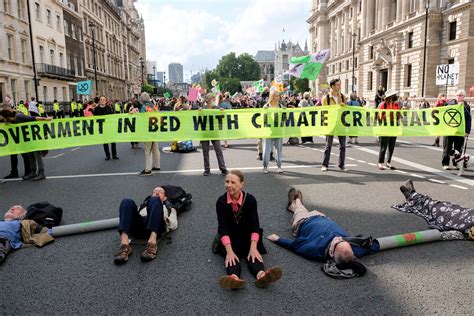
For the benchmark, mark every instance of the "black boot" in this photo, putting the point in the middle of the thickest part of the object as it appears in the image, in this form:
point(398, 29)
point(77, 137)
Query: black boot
point(40, 176)
point(12, 175)
point(30, 176)
point(407, 189)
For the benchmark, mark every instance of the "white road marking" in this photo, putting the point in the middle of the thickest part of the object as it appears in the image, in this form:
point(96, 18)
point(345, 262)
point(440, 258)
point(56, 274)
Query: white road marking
point(361, 161)
point(53, 157)
point(417, 176)
point(175, 172)
point(457, 186)
point(350, 158)
point(420, 145)
point(372, 164)
point(401, 171)
point(424, 168)
point(74, 149)
point(437, 181)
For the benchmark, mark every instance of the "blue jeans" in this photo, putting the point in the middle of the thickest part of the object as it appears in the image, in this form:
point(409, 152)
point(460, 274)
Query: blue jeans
point(267, 149)
point(132, 223)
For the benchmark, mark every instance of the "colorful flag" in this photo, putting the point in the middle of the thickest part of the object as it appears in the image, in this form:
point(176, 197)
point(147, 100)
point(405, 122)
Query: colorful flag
point(308, 66)
point(193, 94)
point(167, 95)
point(259, 85)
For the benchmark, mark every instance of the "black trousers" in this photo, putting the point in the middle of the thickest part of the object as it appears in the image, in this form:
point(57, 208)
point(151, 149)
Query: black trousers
point(107, 152)
point(448, 143)
point(386, 141)
point(132, 223)
point(254, 267)
point(4, 248)
point(26, 163)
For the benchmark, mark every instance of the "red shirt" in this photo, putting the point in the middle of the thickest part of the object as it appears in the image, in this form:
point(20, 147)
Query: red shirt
point(389, 106)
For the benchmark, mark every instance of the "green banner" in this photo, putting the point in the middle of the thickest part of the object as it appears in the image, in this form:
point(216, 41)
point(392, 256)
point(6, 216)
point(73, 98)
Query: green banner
point(229, 124)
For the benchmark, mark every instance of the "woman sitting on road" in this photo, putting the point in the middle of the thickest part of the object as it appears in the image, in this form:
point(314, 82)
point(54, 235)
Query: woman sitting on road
point(239, 235)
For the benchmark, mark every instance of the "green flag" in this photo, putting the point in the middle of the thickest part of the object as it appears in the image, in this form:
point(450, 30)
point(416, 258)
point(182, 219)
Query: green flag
point(308, 66)
point(167, 95)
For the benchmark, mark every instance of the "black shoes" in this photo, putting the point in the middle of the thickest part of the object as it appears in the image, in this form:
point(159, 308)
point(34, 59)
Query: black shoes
point(145, 173)
point(206, 173)
point(12, 175)
point(407, 189)
point(30, 176)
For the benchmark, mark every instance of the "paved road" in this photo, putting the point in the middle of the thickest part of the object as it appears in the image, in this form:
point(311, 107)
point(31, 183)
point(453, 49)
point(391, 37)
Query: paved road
point(76, 274)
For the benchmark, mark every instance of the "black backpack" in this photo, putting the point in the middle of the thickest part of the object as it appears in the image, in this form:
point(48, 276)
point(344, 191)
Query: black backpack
point(45, 214)
point(177, 199)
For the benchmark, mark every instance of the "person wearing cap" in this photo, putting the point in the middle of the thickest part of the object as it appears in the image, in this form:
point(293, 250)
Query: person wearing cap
point(389, 142)
point(335, 97)
point(317, 237)
point(453, 144)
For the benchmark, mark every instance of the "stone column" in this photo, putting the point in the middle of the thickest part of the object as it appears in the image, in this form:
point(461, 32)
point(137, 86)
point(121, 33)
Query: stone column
point(346, 29)
point(379, 22)
point(386, 6)
point(364, 19)
point(339, 33)
point(405, 9)
point(399, 10)
point(369, 16)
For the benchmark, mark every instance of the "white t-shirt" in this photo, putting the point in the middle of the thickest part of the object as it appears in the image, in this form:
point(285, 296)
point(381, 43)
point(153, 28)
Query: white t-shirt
point(32, 107)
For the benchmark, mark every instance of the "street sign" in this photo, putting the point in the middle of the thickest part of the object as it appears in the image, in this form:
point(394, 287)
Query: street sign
point(84, 87)
point(447, 74)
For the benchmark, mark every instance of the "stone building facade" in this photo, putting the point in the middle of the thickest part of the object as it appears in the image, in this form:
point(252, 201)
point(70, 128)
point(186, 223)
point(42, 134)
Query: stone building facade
point(16, 71)
point(283, 54)
point(389, 38)
point(62, 43)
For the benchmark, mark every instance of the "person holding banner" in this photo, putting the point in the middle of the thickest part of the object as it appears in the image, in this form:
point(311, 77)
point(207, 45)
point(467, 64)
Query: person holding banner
point(210, 104)
point(453, 144)
point(335, 97)
point(268, 143)
point(441, 101)
point(104, 109)
point(152, 152)
point(389, 103)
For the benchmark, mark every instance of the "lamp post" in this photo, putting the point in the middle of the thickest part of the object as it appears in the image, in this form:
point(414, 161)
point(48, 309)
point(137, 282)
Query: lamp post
point(92, 26)
point(32, 52)
point(354, 36)
point(164, 79)
point(142, 64)
point(427, 8)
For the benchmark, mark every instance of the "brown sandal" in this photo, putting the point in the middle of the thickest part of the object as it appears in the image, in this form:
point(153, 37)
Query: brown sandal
point(271, 275)
point(230, 282)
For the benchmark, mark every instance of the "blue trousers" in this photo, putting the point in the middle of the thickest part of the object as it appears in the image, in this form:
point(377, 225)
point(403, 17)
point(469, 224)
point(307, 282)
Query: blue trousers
point(132, 223)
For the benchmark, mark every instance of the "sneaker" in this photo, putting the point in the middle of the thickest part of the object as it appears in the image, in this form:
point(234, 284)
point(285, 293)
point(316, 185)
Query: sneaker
point(456, 167)
point(265, 170)
point(343, 168)
point(381, 166)
point(155, 169)
point(149, 253)
point(124, 252)
point(324, 168)
point(407, 189)
point(231, 282)
point(39, 177)
point(271, 275)
point(389, 166)
point(115, 158)
point(445, 167)
point(145, 173)
point(280, 170)
point(206, 173)
point(11, 176)
point(30, 176)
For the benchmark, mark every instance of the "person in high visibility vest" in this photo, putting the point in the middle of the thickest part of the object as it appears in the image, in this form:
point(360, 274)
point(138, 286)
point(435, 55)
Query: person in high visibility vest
point(56, 109)
point(22, 108)
point(80, 108)
point(118, 109)
point(41, 110)
point(73, 109)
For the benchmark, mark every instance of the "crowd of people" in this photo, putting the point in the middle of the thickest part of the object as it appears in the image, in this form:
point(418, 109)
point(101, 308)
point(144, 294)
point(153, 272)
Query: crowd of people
point(267, 149)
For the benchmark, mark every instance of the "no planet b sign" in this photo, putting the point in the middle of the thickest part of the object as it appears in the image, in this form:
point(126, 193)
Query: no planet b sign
point(84, 87)
point(447, 74)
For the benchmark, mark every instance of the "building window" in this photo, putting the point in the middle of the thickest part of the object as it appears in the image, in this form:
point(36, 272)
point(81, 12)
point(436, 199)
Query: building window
point(66, 28)
point(48, 17)
point(371, 52)
point(10, 46)
point(410, 40)
point(369, 81)
point(347, 64)
point(355, 62)
point(51, 56)
point(37, 11)
point(340, 67)
point(452, 30)
point(347, 85)
point(58, 22)
point(64, 94)
point(79, 34)
point(55, 93)
point(73, 31)
point(45, 93)
point(23, 51)
point(42, 54)
point(6, 6)
point(14, 90)
point(451, 61)
point(61, 60)
point(408, 69)
point(20, 9)
point(27, 90)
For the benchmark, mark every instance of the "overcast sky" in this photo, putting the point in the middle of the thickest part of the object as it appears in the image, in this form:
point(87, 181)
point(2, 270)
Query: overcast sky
point(197, 33)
